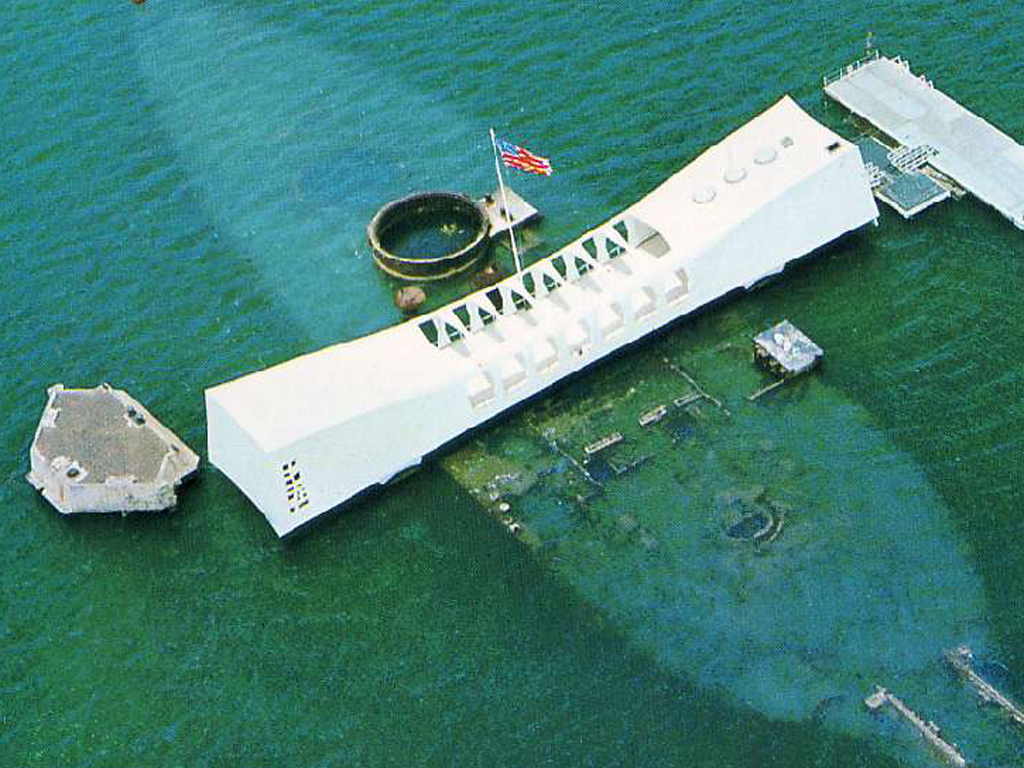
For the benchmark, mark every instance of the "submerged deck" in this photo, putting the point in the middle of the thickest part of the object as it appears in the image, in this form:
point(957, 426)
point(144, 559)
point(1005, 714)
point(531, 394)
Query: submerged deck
point(908, 108)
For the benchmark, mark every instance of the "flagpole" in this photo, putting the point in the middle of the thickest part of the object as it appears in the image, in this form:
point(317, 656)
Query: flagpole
point(504, 200)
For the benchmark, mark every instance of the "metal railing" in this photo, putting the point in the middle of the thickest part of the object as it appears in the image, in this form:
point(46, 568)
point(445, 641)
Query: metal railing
point(849, 69)
point(910, 159)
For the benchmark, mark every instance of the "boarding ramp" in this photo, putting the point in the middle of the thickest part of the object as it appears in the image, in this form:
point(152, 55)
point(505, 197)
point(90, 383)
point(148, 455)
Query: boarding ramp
point(909, 109)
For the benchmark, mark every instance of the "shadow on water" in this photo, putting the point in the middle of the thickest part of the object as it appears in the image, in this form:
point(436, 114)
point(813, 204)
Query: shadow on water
point(320, 152)
point(854, 573)
point(540, 633)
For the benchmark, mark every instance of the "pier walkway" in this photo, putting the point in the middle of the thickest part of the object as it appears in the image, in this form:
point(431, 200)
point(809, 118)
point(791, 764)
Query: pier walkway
point(929, 730)
point(908, 108)
point(960, 660)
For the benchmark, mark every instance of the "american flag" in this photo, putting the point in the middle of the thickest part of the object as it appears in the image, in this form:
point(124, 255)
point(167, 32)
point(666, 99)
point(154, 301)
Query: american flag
point(523, 159)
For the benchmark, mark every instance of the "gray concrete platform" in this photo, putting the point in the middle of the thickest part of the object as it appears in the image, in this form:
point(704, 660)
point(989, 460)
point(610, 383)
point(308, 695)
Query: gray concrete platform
point(100, 450)
point(909, 109)
point(519, 211)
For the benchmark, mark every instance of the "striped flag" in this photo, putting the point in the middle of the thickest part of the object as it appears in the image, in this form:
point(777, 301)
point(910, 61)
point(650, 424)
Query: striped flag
point(523, 159)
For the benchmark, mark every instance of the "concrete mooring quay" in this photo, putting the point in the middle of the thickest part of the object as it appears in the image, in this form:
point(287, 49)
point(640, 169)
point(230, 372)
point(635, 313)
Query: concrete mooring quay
point(929, 730)
point(960, 660)
point(949, 138)
point(100, 450)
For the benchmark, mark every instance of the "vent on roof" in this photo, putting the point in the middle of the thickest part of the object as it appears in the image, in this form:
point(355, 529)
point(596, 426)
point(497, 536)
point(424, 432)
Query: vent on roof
point(703, 195)
point(294, 488)
point(765, 155)
point(735, 175)
point(787, 142)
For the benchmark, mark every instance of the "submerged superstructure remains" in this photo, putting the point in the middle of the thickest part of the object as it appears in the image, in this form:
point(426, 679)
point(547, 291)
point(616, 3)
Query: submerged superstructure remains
point(309, 434)
point(933, 130)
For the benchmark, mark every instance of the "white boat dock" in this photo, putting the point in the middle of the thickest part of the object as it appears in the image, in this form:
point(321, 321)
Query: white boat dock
point(909, 109)
point(960, 660)
point(100, 450)
point(929, 730)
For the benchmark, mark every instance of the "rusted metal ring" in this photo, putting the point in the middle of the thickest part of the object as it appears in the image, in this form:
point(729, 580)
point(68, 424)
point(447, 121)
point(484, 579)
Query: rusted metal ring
point(428, 267)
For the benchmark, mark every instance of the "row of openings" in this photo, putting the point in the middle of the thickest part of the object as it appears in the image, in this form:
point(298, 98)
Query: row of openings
point(567, 266)
point(611, 322)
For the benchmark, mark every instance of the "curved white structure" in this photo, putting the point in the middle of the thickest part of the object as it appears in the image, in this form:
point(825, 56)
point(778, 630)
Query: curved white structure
point(306, 435)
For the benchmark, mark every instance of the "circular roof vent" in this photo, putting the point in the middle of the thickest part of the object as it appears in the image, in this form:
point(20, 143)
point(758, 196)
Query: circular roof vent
point(735, 175)
point(765, 155)
point(703, 195)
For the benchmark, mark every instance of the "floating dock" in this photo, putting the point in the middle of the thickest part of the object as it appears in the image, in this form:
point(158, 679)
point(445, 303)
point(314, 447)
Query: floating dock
point(100, 450)
point(960, 660)
point(959, 144)
point(929, 730)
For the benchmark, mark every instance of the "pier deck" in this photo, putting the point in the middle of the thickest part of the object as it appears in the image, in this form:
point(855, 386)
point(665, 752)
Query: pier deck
point(960, 660)
point(926, 728)
point(908, 108)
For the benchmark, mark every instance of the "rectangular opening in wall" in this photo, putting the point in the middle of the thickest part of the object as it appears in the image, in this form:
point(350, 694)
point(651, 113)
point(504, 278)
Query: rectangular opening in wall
point(545, 355)
point(454, 334)
point(462, 312)
point(486, 316)
point(495, 296)
point(643, 302)
point(678, 286)
point(429, 330)
point(480, 390)
point(612, 247)
point(590, 247)
point(656, 245)
point(530, 283)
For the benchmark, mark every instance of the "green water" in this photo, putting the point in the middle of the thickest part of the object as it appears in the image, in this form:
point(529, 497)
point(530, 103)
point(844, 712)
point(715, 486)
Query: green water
point(185, 192)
